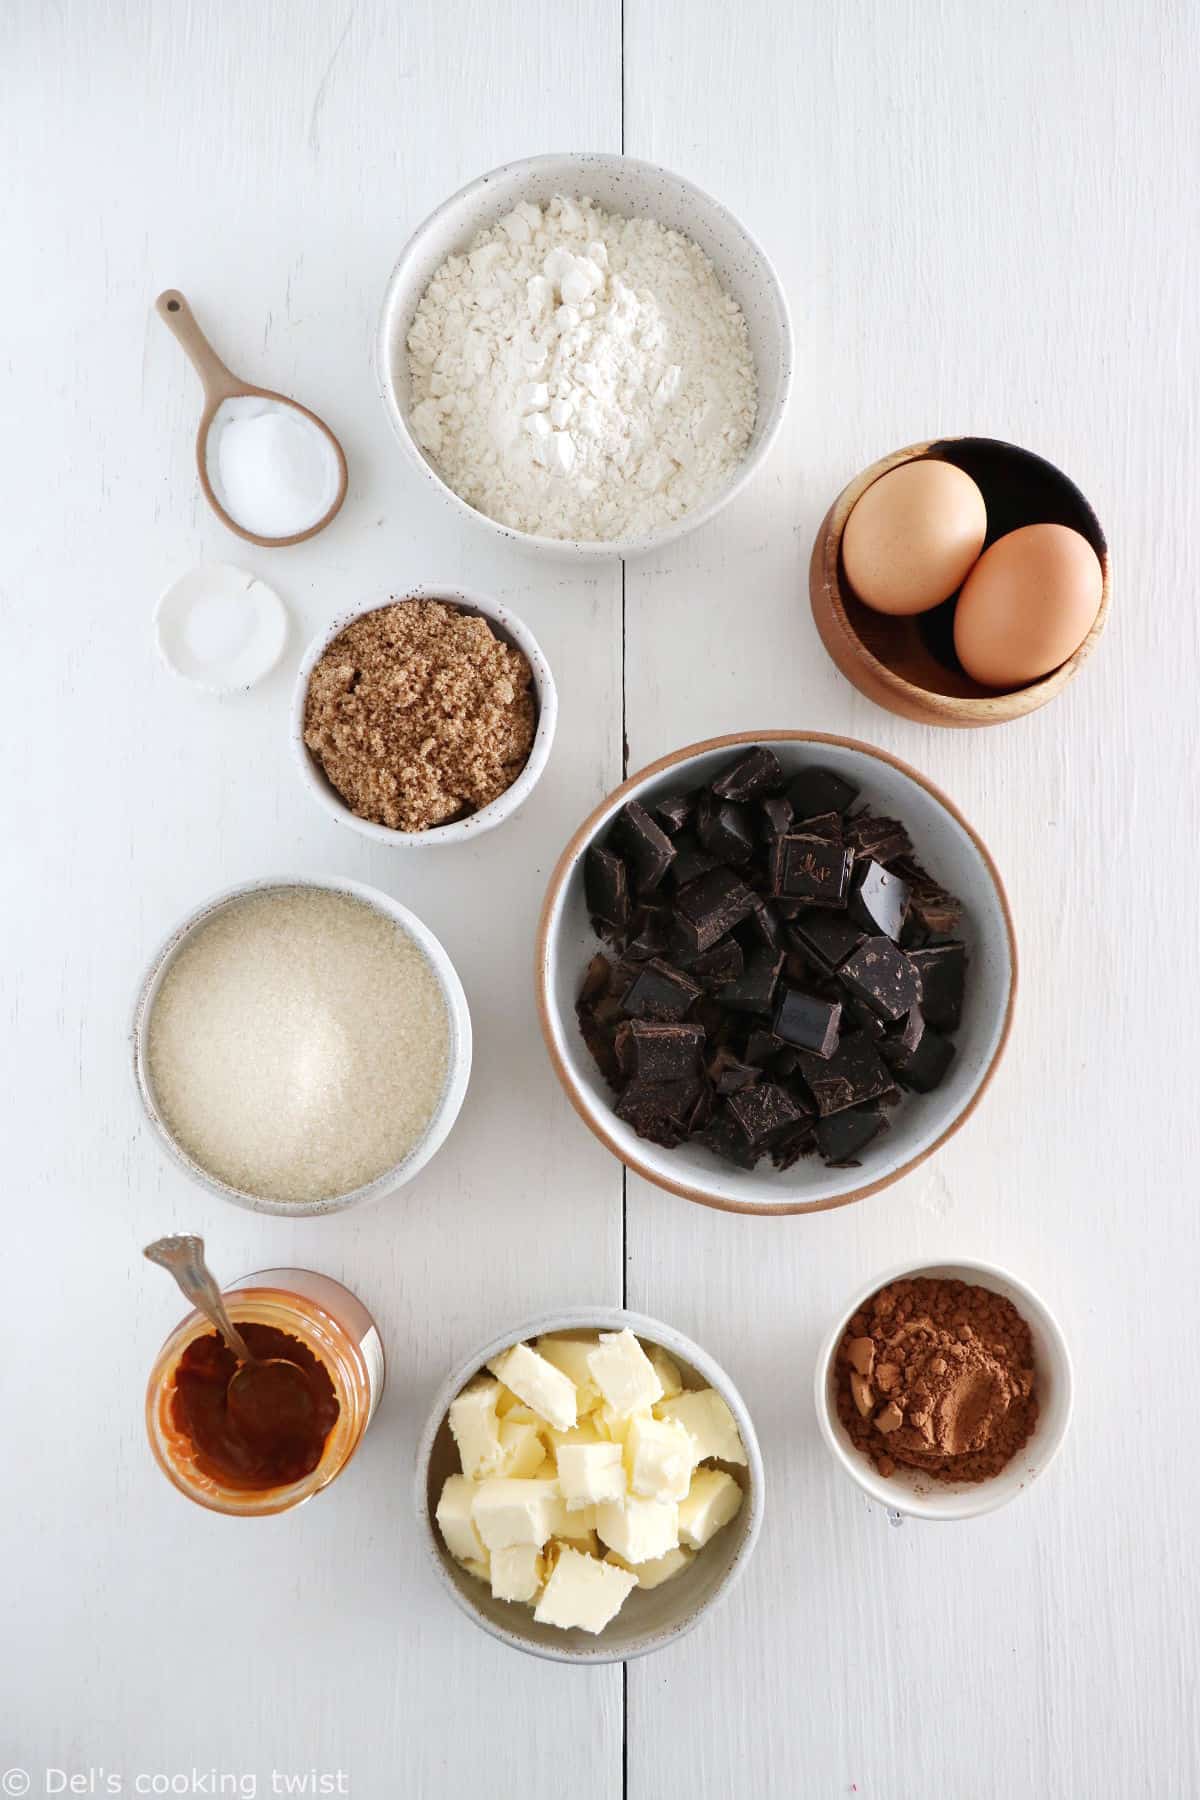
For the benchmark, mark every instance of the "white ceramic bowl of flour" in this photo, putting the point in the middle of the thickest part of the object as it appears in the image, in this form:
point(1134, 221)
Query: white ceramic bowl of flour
point(631, 189)
point(453, 1084)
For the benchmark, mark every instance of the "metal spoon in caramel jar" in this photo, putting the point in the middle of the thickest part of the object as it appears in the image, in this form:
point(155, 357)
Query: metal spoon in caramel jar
point(256, 1416)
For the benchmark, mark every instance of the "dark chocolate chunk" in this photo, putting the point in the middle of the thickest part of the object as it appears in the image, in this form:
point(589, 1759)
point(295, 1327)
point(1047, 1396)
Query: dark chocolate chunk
point(660, 1110)
point(942, 969)
point(758, 772)
point(728, 1075)
point(808, 1022)
point(673, 811)
point(878, 900)
point(764, 1113)
point(710, 906)
point(902, 1039)
point(765, 924)
point(777, 815)
point(724, 962)
point(596, 980)
point(825, 938)
point(725, 830)
point(599, 1040)
point(815, 791)
point(691, 861)
point(761, 1046)
point(800, 1141)
point(857, 1016)
point(723, 1137)
point(659, 991)
point(880, 974)
point(884, 839)
point(810, 869)
point(645, 844)
point(923, 1066)
point(651, 933)
point(658, 1052)
point(841, 1136)
point(854, 1073)
point(606, 886)
point(754, 989)
point(825, 825)
point(935, 911)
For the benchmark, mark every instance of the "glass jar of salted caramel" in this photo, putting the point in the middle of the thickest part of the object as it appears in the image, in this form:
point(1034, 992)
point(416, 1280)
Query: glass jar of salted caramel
point(254, 1447)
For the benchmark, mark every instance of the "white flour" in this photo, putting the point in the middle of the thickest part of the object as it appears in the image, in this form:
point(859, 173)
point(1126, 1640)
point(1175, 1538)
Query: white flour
point(580, 375)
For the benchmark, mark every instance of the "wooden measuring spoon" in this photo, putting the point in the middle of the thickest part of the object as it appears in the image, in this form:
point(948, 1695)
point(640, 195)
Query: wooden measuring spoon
point(220, 384)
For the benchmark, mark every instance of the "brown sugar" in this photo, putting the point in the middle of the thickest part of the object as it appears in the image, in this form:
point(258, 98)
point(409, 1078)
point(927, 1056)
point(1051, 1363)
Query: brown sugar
point(938, 1375)
point(419, 714)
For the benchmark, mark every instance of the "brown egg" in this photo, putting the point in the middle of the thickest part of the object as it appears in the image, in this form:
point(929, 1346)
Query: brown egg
point(912, 537)
point(1027, 605)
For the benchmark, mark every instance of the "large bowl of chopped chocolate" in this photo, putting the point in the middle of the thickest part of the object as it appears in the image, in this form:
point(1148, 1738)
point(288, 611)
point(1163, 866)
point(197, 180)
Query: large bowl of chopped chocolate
point(776, 971)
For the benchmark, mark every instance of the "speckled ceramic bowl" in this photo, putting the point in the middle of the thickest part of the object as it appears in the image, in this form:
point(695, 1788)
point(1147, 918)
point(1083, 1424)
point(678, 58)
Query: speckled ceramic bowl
point(948, 848)
point(650, 1618)
point(908, 1490)
point(506, 625)
point(458, 1060)
point(620, 185)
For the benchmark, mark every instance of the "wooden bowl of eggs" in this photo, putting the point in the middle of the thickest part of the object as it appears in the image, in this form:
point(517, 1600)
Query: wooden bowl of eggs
point(960, 582)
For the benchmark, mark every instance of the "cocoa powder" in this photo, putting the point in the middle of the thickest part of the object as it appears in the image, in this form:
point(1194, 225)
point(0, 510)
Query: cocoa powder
point(419, 714)
point(937, 1375)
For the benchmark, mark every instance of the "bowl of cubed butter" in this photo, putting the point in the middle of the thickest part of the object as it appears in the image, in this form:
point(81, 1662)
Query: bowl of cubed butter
point(589, 1485)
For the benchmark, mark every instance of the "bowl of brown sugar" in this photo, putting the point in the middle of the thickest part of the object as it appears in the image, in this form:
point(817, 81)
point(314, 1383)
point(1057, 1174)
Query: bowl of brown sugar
point(425, 719)
point(944, 1391)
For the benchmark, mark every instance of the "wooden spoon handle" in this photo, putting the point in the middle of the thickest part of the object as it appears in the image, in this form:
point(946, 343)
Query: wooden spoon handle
point(178, 317)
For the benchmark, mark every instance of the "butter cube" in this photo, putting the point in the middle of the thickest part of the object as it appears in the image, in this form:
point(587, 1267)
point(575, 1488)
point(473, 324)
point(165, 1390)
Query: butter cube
point(590, 1473)
point(583, 1433)
point(583, 1593)
point(476, 1429)
point(585, 1541)
point(613, 1426)
point(577, 1526)
point(455, 1521)
point(539, 1384)
point(624, 1373)
point(506, 1400)
point(508, 1510)
point(666, 1370)
point(640, 1530)
point(548, 1471)
point(710, 1422)
point(713, 1499)
point(479, 1566)
point(516, 1573)
point(522, 1451)
point(660, 1455)
point(661, 1568)
point(570, 1355)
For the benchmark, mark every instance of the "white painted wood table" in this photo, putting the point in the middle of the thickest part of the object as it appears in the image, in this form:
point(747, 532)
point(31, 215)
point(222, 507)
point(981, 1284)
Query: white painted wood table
point(985, 217)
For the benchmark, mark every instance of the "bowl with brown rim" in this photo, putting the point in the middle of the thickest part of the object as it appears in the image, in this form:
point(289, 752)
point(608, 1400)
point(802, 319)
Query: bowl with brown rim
point(943, 842)
point(908, 665)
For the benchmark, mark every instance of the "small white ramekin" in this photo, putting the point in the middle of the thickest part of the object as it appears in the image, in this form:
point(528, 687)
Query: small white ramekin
point(458, 1065)
point(908, 1490)
point(513, 631)
point(621, 185)
point(650, 1618)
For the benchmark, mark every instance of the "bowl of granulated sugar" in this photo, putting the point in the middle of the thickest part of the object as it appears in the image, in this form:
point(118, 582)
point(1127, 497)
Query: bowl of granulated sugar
point(301, 1045)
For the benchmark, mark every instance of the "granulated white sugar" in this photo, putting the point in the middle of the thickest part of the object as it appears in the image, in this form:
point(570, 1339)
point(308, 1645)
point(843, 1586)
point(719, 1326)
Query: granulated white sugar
point(298, 1045)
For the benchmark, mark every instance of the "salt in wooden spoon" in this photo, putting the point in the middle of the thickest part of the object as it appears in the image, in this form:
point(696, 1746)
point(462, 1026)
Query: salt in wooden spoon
point(220, 384)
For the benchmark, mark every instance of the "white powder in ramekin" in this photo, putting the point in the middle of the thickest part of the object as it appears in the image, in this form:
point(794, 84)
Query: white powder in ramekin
point(580, 375)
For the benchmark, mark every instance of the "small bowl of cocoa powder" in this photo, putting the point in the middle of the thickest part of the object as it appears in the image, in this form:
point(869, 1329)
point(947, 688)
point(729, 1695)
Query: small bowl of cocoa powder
point(945, 1391)
point(424, 719)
